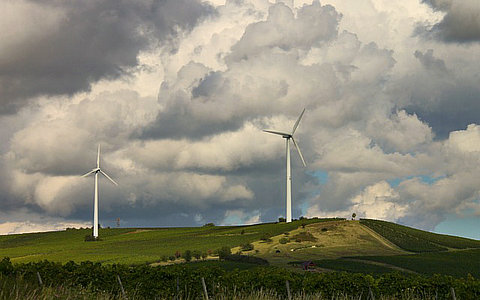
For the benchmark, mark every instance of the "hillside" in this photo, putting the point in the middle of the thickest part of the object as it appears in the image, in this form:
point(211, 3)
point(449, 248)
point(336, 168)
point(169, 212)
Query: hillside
point(134, 245)
point(369, 246)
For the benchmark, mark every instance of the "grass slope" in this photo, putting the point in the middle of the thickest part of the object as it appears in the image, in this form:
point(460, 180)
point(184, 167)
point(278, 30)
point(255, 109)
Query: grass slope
point(368, 246)
point(416, 240)
point(327, 240)
point(134, 246)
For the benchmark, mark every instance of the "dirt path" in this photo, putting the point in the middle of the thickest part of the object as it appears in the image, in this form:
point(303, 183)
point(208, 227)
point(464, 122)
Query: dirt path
point(381, 264)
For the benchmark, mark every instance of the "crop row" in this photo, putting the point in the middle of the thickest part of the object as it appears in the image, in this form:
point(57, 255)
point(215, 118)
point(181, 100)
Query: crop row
point(415, 240)
point(166, 282)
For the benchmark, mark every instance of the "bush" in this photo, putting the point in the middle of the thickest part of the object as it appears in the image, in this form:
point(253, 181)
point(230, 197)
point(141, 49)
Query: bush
point(246, 259)
point(171, 257)
point(281, 220)
point(304, 236)
point(187, 255)
point(283, 240)
point(247, 247)
point(90, 238)
point(224, 252)
point(209, 225)
point(324, 229)
point(197, 254)
point(266, 237)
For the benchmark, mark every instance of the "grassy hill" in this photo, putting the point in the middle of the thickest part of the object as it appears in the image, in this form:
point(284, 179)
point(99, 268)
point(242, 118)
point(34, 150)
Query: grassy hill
point(368, 246)
point(132, 245)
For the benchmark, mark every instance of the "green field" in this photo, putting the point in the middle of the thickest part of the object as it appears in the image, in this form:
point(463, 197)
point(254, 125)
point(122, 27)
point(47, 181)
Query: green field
point(134, 246)
point(366, 246)
point(416, 240)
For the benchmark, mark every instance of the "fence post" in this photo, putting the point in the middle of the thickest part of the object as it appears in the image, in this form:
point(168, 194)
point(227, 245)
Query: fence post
point(39, 278)
point(288, 290)
point(452, 290)
point(178, 288)
point(121, 287)
point(371, 293)
point(204, 288)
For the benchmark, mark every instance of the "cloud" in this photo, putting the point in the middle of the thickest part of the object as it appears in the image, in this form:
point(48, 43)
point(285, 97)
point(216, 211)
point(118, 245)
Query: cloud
point(390, 117)
point(65, 47)
point(461, 22)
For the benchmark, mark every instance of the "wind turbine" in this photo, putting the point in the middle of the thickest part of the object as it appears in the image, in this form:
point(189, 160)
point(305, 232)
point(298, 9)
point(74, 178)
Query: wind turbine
point(288, 137)
point(95, 201)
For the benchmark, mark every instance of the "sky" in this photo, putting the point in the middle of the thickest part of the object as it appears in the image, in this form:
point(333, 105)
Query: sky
point(177, 93)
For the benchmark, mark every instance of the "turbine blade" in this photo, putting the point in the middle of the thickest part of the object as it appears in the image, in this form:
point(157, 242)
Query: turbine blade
point(85, 175)
point(108, 177)
point(299, 152)
point(98, 156)
point(298, 121)
point(277, 132)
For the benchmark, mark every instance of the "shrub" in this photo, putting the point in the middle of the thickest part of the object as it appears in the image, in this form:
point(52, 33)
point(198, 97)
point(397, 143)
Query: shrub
point(304, 236)
point(283, 240)
point(197, 254)
point(224, 252)
point(281, 220)
point(247, 247)
point(209, 225)
point(187, 255)
point(90, 238)
point(324, 229)
point(246, 259)
point(171, 257)
point(266, 237)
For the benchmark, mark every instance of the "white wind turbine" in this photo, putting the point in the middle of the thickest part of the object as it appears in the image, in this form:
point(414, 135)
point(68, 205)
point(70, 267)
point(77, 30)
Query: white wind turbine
point(95, 203)
point(287, 137)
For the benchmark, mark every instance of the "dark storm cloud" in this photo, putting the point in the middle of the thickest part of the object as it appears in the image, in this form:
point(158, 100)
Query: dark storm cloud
point(91, 40)
point(453, 110)
point(461, 23)
point(441, 98)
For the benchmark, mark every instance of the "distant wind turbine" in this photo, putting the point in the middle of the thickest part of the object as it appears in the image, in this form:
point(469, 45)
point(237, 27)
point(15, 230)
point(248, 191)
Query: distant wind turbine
point(95, 203)
point(289, 136)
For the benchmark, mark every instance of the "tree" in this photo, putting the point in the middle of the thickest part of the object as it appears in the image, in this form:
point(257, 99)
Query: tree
point(353, 216)
point(224, 252)
point(187, 255)
point(197, 254)
point(281, 219)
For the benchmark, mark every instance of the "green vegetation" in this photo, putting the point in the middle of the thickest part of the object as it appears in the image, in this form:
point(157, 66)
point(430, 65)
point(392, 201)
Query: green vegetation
point(353, 266)
point(134, 246)
point(416, 240)
point(455, 263)
point(304, 237)
point(145, 282)
point(247, 247)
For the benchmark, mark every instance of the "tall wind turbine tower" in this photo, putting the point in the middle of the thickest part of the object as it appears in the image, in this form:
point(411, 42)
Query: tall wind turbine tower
point(288, 137)
point(95, 197)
